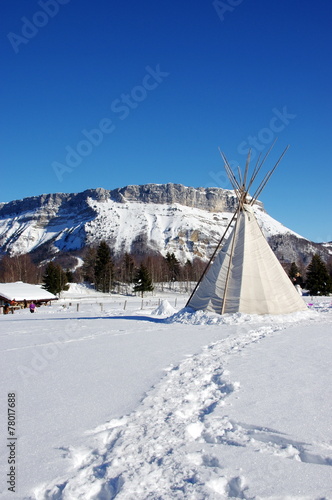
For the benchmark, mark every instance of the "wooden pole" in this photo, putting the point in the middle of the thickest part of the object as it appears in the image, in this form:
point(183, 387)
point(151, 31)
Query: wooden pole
point(259, 189)
point(246, 169)
point(258, 167)
point(233, 180)
point(241, 182)
point(230, 263)
point(267, 177)
point(211, 259)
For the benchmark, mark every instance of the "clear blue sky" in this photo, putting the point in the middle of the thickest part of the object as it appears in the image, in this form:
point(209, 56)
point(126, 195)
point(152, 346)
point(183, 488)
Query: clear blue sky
point(166, 84)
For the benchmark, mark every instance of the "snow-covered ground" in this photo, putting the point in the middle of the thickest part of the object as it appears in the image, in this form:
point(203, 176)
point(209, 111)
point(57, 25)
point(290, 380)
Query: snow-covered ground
point(119, 398)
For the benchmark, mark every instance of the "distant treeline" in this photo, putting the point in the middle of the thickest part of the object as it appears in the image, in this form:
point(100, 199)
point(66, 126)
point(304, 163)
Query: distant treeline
point(108, 272)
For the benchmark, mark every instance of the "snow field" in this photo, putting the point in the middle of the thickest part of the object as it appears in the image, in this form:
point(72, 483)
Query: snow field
point(148, 447)
point(74, 370)
point(134, 405)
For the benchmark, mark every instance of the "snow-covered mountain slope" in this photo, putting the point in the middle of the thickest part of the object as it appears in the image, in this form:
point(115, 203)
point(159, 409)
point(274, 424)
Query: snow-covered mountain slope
point(137, 219)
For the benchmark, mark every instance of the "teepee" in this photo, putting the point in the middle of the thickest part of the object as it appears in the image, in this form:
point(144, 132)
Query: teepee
point(243, 275)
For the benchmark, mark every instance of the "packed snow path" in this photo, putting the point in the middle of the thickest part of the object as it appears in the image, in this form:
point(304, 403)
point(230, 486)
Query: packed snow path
point(181, 443)
point(246, 416)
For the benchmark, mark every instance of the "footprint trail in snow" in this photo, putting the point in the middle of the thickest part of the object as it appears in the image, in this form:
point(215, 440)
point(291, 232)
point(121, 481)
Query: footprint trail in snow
point(155, 453)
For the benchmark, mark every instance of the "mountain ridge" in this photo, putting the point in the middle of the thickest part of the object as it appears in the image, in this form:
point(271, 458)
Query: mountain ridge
point(148, 218)
point(146, 193)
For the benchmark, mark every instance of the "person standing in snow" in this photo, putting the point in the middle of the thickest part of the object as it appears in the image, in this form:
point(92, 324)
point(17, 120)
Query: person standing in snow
point(13, 305)
point(32, 307)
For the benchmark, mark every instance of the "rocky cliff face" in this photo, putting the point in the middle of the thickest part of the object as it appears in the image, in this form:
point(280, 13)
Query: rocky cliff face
point(209, 199)
point(139, 219)
point(291, 248)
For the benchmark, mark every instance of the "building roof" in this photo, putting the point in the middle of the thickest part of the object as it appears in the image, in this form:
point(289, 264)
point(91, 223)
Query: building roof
point(20, 291)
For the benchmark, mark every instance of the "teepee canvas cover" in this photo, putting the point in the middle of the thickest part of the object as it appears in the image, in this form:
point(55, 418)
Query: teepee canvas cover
point(245, 276)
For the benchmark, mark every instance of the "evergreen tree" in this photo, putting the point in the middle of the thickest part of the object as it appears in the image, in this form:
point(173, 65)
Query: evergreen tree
point(103, 268)
point(318, 279)
point(54, 279)
point(173, 266)
point(329, 266)
point(70, 276)
point(295, 275)
point(142, 280)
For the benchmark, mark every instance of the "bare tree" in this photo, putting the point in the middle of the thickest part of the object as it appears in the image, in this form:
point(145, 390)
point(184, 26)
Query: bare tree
point(19, 268)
